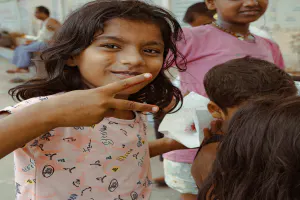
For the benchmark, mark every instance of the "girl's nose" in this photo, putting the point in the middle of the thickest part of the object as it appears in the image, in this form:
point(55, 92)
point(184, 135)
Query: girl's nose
point(132, 57)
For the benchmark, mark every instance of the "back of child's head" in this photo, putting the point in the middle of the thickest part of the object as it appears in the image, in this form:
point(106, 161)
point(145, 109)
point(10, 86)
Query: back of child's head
point(259, 157)
point(78, 32)
point(197, 9)
point(234, 82)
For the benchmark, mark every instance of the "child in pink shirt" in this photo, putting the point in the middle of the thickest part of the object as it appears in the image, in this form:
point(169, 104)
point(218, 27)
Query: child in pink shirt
point(205, 47)
point(98, 58)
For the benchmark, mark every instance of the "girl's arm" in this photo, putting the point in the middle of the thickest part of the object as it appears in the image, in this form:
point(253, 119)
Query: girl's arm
point(77, 108)
point(20, 128)
point(164, 145)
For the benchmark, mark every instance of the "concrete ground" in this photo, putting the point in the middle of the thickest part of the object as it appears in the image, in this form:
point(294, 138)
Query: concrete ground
point(7, 188)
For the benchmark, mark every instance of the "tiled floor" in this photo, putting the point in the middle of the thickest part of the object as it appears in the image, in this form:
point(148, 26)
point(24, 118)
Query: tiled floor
point(7, 189)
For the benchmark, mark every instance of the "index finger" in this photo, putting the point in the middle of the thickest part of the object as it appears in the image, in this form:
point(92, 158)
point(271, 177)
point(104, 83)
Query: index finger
point(119, 86)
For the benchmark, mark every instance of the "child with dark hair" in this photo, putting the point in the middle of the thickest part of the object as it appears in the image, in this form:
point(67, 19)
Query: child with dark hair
point(204, 47)
point(229, 86)
point(109, 59)
point(258, 158)
point(198, 14)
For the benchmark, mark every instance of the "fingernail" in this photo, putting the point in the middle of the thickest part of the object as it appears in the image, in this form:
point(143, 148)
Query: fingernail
point(155, 109)
point(147, 75)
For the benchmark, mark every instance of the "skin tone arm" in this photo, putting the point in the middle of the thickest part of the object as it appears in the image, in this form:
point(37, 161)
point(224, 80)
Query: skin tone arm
point(53, 25)
point(77, 108)
point(203, 163)
point(164, 145)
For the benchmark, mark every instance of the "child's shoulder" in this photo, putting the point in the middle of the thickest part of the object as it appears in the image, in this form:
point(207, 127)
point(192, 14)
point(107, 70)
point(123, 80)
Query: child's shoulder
point(198, 32)
point(267, 41)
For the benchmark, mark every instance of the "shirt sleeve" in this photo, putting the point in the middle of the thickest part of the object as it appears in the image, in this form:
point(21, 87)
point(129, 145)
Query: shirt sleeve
point(22, 105)
point(277, 55)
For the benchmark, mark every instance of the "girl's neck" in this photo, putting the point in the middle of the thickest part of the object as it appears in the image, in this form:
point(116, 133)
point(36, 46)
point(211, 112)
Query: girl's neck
point(236, 28)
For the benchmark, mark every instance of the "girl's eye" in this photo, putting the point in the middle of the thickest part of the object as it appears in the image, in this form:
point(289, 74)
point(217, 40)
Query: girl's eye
point(110, 46)
point(152, 51)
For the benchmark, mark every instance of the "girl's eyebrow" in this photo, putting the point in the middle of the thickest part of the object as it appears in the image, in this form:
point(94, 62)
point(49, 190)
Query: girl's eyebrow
point(101, 37)
point(119, 39)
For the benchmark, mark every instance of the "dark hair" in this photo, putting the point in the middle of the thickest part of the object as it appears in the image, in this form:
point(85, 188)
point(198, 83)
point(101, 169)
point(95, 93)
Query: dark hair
point(259, 158)
point(236, 81)
point(199, 8)
point(76, 34)
point(44, 10)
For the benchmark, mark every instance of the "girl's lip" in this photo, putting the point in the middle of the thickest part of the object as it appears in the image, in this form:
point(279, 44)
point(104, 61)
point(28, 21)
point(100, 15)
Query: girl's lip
point(129, 73)
point(250, 12)
point(125, 74)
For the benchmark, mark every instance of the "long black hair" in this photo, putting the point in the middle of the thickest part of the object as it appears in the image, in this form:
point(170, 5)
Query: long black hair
point(259, 158)
point(76, 34)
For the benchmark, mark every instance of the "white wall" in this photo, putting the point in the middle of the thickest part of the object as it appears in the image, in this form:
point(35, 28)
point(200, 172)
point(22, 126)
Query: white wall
point(18, 15)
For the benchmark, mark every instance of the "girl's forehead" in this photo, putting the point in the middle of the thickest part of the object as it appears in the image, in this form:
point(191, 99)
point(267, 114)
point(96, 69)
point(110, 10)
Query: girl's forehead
point(131, 30)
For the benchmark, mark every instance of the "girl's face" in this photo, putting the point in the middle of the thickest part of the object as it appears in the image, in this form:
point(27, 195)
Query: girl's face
point(125, 49)
point(238, 11)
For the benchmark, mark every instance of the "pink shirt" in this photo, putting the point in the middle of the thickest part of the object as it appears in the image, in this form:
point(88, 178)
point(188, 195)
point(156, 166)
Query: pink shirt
point(109, 160)
point(205, 47)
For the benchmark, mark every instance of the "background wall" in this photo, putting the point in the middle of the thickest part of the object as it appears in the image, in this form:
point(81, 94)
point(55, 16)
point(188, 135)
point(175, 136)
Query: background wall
point(282, 19)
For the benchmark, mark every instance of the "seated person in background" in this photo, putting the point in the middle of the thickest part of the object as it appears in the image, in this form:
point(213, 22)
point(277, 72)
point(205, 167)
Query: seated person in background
point(258, 158)
point(229, 86)
point(198, 14)
point(23, 53)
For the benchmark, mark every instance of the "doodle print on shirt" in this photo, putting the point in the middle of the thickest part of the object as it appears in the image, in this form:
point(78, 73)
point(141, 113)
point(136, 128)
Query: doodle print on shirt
point(36, 144)
point(30, 166)
point(76, 183)
point(134, 196)
point(18, 188)
point(48, 171)
point(46, 136)
point(139, 143)
point(104, 137)
point(73, 197)
point(119, 198)
point(69, 139)
point(50, 155)
point(86, 189)
point(97, 163)
point(101, 178)
point(70, 169)
point(89, 147)
point(113, 185)
point(124, 132)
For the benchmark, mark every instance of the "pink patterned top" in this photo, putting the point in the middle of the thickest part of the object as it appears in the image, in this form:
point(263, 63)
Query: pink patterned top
point(108, 161)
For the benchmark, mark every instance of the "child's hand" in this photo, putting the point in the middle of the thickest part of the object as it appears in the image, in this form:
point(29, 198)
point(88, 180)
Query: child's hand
point(216, 128)
point(89, 107)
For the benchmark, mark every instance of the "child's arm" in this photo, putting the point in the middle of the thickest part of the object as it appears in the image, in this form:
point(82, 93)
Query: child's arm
point(18, 129)
point(164, 145)
point(203, 162)
point(78, 108)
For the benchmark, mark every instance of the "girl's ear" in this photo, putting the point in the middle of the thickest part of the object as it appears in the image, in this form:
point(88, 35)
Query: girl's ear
point(215, 111)
point(210, 4)
point(71, 62)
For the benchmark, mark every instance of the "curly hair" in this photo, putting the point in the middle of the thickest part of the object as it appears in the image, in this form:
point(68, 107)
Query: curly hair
point(259, 157)
point(76, 34)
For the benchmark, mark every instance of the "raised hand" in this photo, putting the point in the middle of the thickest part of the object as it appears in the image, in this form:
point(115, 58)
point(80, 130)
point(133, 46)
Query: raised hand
point(88, 107)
